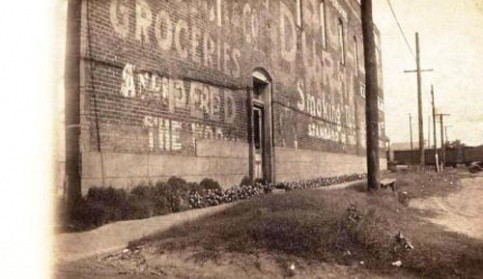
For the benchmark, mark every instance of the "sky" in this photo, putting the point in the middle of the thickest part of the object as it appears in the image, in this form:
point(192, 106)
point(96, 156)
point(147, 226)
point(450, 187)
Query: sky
point(451, 36)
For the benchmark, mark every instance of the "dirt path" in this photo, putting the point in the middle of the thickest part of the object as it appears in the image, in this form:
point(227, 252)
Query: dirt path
point(460, 212)
point(115, 236)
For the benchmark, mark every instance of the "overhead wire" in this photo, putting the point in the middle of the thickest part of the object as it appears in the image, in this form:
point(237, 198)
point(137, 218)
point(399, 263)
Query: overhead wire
point(405, 38)
point(400, 29)
point(403, 34)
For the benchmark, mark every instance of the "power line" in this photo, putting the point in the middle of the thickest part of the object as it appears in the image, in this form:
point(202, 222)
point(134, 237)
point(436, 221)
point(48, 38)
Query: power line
point(400, 29)
point(404, 36)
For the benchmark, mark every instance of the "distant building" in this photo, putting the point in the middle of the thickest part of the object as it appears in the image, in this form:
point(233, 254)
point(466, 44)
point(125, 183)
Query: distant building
point(402, 146)
point(221, 89)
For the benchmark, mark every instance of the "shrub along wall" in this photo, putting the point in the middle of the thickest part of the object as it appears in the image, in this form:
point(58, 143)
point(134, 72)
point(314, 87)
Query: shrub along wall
point(103, 205)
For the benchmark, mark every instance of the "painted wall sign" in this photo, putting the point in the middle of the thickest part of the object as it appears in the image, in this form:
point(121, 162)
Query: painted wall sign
point(331, 119)
point(160, 29)
point(202, 100)
point(288, 35)
point(228, 37)
point(166, 134)
point(185, 38)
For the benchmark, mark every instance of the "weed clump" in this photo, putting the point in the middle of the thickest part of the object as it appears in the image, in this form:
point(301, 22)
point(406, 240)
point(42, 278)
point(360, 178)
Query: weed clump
point(246, 181)
point(210, 184)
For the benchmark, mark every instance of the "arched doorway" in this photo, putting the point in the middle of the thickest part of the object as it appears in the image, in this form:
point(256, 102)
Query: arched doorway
point(262, 163)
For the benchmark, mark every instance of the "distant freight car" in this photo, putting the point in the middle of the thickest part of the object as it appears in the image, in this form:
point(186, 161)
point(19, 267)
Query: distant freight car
point(454, 156)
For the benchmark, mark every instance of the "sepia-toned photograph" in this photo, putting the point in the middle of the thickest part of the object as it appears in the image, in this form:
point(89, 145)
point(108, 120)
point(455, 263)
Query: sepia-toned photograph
point(265, 139)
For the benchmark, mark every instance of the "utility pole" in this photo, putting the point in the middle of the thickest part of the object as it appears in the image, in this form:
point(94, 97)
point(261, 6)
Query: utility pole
point(443, 148)
point(429, 132)
point(72, 105)
point(372, 89)
point(411, 137)
point(420, 101)
point(420, 105)
point(434, 130)
point(429, 145)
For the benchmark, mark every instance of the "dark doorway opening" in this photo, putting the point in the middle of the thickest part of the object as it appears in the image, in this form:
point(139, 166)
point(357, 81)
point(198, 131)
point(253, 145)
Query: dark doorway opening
point(262, 144)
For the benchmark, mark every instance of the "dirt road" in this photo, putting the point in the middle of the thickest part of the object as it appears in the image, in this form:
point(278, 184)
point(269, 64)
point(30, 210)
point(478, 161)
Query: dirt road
point(460, 212)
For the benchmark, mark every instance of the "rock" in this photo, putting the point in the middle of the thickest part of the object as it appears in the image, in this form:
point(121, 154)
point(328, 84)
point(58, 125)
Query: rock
point(404, 241)
point(474, 169)
point(361, 262)
point(125, 250)
point(353, 214)
point(397, 263)
point(291, 270)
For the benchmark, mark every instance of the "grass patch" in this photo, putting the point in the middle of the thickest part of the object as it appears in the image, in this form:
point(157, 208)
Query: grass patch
point(419, 184)
point(424, 184)
point(342, 226)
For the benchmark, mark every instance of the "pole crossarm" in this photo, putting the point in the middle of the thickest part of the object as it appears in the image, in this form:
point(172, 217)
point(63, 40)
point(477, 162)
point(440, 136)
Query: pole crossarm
point(415, 71)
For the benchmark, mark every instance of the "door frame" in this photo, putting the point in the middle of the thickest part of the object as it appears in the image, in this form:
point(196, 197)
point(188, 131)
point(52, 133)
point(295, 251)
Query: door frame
point(261, 96)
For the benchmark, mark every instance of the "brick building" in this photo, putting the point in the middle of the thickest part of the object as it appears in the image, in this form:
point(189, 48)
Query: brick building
point(270, 89)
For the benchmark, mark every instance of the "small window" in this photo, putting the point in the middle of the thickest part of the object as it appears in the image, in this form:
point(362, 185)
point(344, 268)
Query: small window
point(378, 57)
point(298, 7)
point(257, 128)
point(363, 90)
point(380, 103)
point(323, 28)
point(340, 34)
point(356, 55)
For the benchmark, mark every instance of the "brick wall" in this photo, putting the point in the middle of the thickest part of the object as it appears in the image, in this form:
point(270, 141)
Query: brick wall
point(305, 164)
point(167, 81)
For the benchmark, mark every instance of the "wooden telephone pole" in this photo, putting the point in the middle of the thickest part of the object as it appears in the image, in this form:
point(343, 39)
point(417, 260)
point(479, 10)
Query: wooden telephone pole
point(429, 131)
point(443, 147)
point(372, 111)
point(434, 129)
point(411, 137)
point(418, 72)
point(72, 105)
